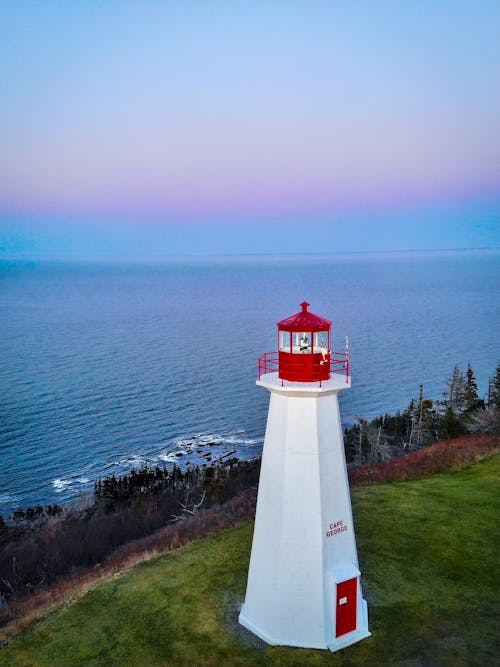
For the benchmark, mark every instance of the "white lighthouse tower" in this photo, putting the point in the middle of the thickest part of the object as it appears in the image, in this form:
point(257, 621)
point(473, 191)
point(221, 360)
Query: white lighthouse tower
point(304, 584)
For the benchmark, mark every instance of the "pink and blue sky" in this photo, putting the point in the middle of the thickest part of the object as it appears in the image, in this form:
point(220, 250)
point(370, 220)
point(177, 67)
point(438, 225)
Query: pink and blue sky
point(151, 128)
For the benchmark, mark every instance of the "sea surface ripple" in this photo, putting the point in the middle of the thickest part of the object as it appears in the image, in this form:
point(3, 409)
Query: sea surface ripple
point(107, 366)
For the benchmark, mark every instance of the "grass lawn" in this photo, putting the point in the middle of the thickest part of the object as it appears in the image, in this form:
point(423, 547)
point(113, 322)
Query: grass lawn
point(428, 551)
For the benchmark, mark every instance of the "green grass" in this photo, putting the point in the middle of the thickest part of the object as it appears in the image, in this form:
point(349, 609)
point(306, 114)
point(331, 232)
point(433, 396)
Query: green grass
point(428, 551)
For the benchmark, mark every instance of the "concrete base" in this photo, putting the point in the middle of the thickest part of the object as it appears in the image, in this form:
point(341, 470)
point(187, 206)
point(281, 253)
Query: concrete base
point(273, 641)
point(340, 643)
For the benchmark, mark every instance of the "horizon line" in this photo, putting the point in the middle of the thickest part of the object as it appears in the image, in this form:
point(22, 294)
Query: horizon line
point(75, 258)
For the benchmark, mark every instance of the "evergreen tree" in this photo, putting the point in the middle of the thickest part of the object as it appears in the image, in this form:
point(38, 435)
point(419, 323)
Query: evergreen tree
point(494, 390)
point(19, 514)
point(450, 424)
point(472, 399)
point(351, 437)
point(363, 441)
point(53, 510)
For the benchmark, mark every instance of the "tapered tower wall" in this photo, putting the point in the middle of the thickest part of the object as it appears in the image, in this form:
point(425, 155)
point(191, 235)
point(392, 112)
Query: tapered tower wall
point(304, 533)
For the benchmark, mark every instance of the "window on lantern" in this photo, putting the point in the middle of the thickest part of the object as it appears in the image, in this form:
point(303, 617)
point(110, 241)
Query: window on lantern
point(285, 341)
point(320, 338)
point(302, 342)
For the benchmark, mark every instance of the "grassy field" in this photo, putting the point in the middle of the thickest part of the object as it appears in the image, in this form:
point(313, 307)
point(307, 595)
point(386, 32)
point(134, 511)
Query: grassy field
point(428, 551)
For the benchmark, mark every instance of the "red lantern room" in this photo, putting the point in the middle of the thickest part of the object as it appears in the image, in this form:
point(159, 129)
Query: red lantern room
point(304, 347)
point(304, 350)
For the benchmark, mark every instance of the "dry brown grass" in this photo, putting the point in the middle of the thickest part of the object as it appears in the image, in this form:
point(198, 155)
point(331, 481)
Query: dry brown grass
point(24, 612)
point(441, 457)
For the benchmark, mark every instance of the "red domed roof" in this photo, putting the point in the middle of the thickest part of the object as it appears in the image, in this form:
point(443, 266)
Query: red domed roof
point(305, 321)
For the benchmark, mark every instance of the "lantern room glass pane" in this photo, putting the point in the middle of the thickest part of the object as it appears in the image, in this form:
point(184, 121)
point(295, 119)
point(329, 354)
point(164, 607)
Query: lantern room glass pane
point(284, 341)
point(302, 342)
point(320, 341)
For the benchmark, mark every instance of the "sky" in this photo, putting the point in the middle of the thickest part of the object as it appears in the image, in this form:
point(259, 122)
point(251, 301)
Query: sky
point(157, 128)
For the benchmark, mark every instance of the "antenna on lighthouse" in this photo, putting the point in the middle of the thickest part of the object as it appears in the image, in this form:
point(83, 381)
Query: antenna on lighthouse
point(304, 581)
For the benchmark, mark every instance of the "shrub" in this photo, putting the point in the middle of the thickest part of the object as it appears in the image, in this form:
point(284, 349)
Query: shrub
point(440, 457)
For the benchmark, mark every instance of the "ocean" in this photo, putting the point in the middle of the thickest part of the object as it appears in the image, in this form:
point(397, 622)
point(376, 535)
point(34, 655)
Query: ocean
point(105, 366)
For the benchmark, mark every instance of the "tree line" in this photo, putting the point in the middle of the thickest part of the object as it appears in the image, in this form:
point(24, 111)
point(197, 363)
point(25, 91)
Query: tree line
point(38, 548)
point(460, 411)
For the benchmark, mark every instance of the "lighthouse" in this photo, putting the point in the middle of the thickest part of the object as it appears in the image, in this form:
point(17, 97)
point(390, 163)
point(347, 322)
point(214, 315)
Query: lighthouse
point(304, 581)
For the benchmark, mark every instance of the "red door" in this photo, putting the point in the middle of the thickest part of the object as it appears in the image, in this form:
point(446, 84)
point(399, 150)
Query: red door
point(347, 593)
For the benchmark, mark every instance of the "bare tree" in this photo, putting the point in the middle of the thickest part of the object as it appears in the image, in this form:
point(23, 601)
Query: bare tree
point(380, 450)
point(484, 420)
point(189, 511)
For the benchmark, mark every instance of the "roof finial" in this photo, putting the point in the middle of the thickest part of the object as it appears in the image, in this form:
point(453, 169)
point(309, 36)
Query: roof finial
point(304, 305)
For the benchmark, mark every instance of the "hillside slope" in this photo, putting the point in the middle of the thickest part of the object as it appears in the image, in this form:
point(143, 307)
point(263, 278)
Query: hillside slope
point(428, 551)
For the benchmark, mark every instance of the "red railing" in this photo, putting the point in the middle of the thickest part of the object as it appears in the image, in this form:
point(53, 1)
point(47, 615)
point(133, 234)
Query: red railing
point(268, 363)
point(339, 363)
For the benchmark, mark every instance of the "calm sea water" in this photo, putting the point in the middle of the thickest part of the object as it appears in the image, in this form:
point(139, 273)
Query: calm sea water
point(106, 366)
